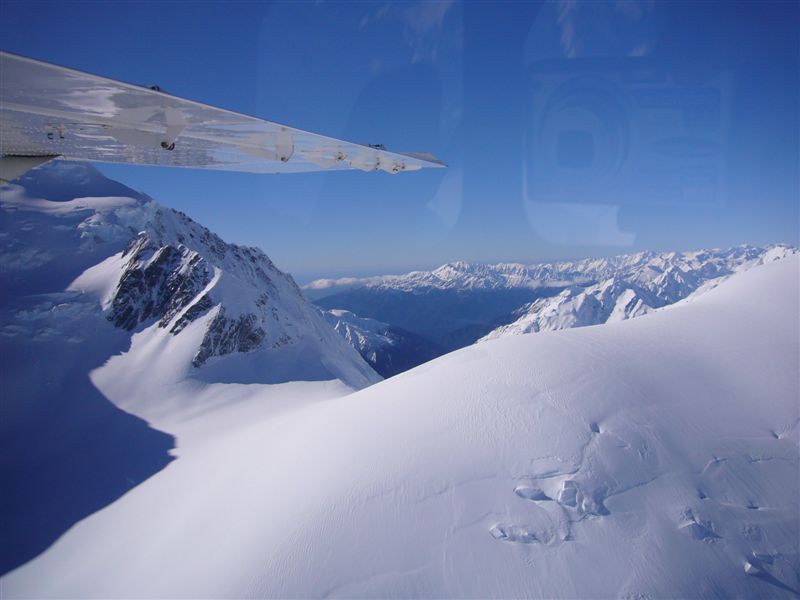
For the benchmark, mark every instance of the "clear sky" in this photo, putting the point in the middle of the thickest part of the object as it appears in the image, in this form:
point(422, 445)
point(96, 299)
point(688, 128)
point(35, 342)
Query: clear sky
point(571, 129)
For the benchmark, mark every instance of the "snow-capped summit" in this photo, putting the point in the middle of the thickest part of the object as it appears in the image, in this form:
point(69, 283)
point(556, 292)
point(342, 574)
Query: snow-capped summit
point(112, 302)
point(156, 272)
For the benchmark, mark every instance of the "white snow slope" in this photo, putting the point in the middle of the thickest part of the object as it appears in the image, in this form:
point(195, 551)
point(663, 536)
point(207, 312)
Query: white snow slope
point(655, 457)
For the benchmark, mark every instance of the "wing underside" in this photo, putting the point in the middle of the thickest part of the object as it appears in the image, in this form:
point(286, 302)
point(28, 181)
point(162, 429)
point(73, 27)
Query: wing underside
point(47, 110)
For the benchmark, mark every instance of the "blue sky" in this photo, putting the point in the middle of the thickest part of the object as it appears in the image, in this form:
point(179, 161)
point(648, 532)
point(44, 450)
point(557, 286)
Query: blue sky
point(571, 129)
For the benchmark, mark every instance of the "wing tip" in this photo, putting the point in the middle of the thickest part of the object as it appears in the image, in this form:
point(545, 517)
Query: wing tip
point(428, 158)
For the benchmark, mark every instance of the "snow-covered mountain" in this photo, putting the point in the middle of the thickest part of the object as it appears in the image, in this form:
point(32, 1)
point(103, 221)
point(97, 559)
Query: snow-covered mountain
point(650, 458)
point(171, 273)
point(389, 350)
point(102, 288)
point(636, 288)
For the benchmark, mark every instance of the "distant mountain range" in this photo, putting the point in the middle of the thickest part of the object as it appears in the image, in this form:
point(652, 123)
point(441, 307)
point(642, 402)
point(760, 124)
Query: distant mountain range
point(461, 303)
point(459, 275)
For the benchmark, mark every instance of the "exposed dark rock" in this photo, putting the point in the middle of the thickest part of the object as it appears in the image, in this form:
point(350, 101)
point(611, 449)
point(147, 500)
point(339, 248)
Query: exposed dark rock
point(157, 284)
point(226, 335)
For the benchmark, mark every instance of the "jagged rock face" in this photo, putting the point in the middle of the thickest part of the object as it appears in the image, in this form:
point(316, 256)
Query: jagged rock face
point(174, 284)
point(167, 283)
point(195, 311)
point(158, 283)
point(225, 335)
point(177, 272)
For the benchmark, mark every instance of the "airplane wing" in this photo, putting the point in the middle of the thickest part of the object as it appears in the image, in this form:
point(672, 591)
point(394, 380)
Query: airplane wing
point(52, 111)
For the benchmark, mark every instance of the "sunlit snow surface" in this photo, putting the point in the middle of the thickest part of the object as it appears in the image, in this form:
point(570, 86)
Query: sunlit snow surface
point(656, 457)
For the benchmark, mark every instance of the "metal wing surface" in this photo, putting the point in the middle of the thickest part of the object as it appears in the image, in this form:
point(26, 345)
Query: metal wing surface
point(47, 110)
